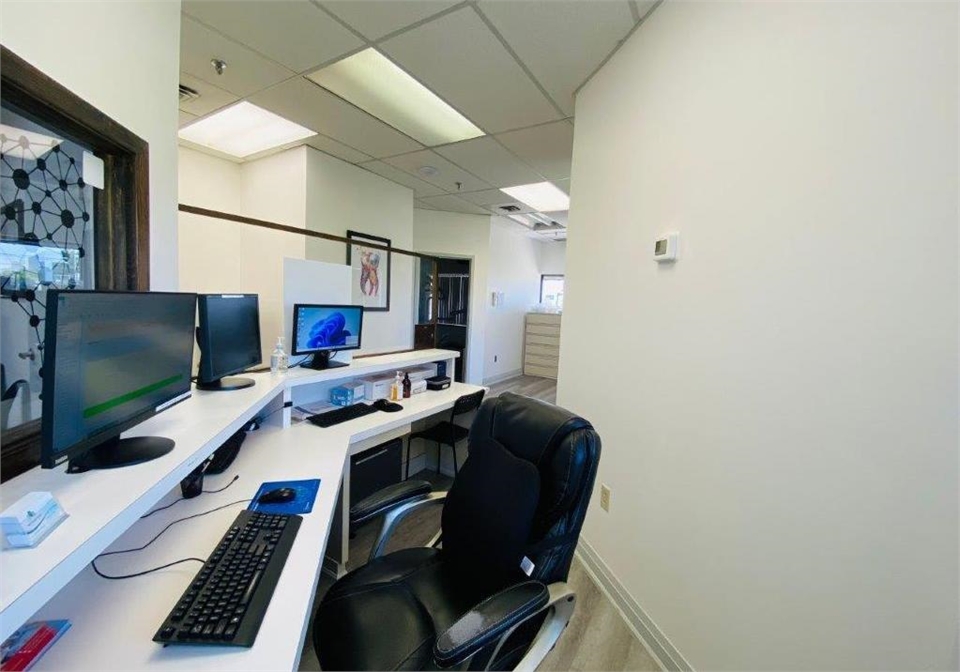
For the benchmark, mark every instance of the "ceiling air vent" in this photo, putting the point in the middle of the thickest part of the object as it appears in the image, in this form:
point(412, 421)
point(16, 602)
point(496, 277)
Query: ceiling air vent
point(187, 94)
point(510, 207)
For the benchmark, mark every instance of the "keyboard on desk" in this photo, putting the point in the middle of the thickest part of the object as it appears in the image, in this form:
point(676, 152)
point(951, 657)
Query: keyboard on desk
point(342, 414)
point(226, 601)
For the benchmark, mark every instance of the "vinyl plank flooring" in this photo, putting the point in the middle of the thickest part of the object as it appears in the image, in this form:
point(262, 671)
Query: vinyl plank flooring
point(597, 638)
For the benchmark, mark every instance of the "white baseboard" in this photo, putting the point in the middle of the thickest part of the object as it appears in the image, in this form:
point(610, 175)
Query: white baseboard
point(493, 380)
point(656, 643)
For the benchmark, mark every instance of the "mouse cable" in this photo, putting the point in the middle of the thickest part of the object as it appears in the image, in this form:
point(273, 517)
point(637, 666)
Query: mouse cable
point(93, 563)
point(180, 499)
point(169, 525)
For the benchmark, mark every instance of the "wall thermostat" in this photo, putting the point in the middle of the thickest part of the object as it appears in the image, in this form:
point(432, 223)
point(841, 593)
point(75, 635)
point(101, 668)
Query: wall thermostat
point(665, 249)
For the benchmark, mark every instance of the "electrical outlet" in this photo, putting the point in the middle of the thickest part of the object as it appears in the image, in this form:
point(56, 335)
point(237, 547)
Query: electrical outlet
point(604, 497)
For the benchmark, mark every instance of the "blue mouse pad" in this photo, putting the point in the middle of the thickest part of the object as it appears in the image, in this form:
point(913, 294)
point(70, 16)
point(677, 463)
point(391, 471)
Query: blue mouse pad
point(302, 503)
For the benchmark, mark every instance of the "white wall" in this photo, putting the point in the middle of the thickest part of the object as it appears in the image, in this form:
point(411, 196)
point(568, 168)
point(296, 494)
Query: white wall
point(122, 58)
point(515, 271)
point(779, 408)
point(342, 197)
point(553, 257)
point(452, 234)
point(222, 256)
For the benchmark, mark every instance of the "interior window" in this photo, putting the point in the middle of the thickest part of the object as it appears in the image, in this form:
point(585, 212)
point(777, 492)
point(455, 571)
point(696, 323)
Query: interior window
point(551, 290)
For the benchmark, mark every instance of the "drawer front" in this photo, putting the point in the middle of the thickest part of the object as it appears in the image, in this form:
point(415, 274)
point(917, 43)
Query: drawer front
point(535, 349)
point(540, 360)
point(537, 339)
point(533, 318)
point(375, 469)
point(543, 329)
point(542, 371)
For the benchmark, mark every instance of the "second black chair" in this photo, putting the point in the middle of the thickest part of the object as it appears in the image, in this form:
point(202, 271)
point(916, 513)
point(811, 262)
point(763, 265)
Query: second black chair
point(448, 433)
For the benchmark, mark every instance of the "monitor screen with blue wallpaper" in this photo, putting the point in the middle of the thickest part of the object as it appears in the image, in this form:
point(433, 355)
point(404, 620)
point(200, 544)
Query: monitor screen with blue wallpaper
point(317, 328)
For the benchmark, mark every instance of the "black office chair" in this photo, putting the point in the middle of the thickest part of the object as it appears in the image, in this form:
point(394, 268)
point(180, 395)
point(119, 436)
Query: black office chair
point(448, 433)
point(494, 596)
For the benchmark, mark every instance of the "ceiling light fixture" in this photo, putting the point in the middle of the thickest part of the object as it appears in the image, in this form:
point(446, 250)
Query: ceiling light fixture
point(243, 129)
point(522, 219)
point(542, 196)
point(375, 84)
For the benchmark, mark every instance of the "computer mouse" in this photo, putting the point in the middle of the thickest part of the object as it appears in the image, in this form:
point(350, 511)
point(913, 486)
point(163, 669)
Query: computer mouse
point(278, 496)
point(387, 406)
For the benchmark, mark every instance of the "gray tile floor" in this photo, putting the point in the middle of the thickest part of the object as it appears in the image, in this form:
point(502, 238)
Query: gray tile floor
point(597, 638)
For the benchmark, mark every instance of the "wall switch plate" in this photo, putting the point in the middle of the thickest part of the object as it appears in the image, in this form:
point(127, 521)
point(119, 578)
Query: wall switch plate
point(665, 248)
point(604, 497)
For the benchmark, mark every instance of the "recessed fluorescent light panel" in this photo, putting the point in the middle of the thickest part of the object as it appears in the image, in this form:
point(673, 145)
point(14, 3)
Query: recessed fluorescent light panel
point(375, 84)
point(244, 129)
point(541, 196)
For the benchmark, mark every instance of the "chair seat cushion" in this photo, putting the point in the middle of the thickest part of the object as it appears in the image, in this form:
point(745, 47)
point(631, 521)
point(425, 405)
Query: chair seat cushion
point(387, 614)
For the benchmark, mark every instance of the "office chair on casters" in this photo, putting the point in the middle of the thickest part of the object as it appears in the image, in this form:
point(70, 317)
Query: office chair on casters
point(520, 502)
point(448, 433)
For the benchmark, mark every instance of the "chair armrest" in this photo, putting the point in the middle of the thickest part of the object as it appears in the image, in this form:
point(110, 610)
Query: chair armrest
point(393, 515)
point(386, 499)
point(488, 621)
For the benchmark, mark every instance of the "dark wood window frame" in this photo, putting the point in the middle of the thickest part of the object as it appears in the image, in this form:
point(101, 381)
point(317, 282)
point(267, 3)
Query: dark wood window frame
point(121, 208)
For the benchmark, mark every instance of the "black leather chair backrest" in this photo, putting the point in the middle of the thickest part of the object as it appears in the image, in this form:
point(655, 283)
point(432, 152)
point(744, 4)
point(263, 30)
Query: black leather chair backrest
point(561, 452)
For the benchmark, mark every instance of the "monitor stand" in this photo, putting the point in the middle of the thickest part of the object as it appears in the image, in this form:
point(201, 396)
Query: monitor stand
point(321, 361)
point(118, 452)
point(227, 383)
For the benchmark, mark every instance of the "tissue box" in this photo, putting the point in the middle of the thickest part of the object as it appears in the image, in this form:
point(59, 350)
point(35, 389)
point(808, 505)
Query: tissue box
point(344, 395)
point(421, 373)
point(378, 388)
point(30, 519)
point(418, 386)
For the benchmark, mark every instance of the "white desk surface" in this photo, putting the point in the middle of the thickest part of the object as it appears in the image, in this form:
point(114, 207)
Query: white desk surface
point(103, 504)
point(114, 621)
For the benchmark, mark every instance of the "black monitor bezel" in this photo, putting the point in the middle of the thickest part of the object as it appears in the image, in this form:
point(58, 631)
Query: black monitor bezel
point(297, 307)
point(48, 458)
point(204, 338)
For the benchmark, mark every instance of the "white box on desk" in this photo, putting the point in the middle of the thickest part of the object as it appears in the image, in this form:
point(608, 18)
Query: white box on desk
point(422, 372)
point(377, 388)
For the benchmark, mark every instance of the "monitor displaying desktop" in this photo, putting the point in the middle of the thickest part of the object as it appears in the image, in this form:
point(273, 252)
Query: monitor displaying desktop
point(322, 330)
point(229, 338)
point(111, 361)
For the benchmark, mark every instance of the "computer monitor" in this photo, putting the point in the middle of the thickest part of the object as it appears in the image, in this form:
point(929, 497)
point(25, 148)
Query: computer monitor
point(323, 330)
point(111, 361)
point(229, 339)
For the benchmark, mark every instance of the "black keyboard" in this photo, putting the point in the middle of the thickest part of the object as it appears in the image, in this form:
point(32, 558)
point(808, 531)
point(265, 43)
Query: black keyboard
point(343, 414)
point(226, 602)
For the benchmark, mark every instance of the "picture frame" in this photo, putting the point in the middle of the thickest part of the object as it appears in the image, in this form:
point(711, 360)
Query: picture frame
point(370, 269)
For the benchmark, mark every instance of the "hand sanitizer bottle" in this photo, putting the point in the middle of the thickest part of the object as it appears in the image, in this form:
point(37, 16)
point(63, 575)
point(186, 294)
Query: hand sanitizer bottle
point(279, 362)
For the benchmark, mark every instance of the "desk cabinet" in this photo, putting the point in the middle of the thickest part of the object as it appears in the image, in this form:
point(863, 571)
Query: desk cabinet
point(541, 347)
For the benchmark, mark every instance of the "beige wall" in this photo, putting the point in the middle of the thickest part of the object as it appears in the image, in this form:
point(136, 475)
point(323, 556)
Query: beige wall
point(779, 408)
point(122, 58)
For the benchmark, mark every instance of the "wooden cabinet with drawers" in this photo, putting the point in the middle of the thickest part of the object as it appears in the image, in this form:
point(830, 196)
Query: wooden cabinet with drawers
point(541, 346)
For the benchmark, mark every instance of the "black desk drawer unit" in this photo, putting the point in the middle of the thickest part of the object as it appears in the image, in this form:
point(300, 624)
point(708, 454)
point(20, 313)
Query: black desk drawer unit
point(375, 469)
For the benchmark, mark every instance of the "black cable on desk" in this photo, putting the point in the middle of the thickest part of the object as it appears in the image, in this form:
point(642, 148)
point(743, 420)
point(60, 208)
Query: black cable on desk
point(180, 499)
point(140, 548)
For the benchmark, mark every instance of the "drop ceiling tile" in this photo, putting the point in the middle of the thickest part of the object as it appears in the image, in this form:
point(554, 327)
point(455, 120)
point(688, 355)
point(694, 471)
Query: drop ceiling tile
point(561, 41)
point(376, 18)
point(309, 105)
point(211, 97)
point(447, 174)
point(417, 203)
point(548, 148)
point(458, 58)
point(491, 198)
point(246, 72)
point(185, 118)
point(420, 188)
point(451, 203)
point(295, 33)
point(337, 149)
point(487, 159)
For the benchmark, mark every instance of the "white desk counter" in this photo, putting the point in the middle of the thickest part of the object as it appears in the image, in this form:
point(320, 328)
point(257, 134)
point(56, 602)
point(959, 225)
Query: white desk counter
point(104, 504)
